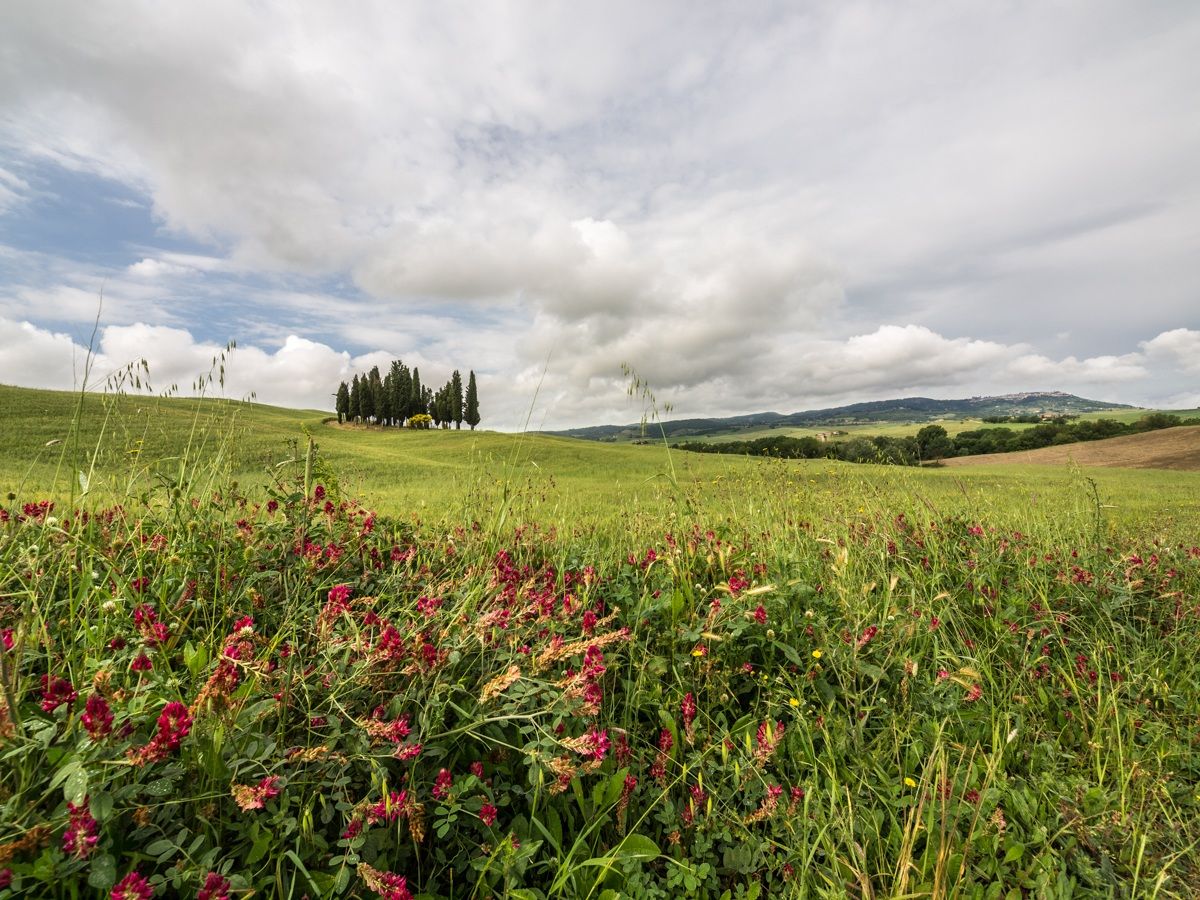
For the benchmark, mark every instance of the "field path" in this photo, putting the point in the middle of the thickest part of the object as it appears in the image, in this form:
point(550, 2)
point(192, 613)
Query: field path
point(1171, 448)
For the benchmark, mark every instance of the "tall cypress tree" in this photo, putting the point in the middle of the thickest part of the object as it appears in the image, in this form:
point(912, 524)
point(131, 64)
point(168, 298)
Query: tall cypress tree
point(398, 386)
point(416, 395)
point(356, 398)
point(456, 399)
point(472, 411)
point(374, 393)
point(342, 404)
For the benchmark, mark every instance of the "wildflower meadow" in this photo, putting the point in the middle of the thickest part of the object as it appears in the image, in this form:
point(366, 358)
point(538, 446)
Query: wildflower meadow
point(795, 679)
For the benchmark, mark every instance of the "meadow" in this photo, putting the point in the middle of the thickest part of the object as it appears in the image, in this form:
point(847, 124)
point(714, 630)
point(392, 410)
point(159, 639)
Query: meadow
point(248, 651)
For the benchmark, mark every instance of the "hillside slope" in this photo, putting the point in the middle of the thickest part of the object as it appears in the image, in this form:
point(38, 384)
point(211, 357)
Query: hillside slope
point(1170, 448)
point(906, 409)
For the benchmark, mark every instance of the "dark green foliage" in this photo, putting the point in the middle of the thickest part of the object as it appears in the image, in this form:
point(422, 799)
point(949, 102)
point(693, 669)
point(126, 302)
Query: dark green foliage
point(343, 403)
point(356, 399)
point(456, 399)
point(416, 397)
point(472, 412)
point(398, 396)
point(934, 443)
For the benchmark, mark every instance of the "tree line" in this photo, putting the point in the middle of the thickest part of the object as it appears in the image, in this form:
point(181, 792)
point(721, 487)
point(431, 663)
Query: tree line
point(398, 399)
point(933, 443)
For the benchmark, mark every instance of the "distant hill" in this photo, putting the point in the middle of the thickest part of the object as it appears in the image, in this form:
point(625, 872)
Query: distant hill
point(907, 409)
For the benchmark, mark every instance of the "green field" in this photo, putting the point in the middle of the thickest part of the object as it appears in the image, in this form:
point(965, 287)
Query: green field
point(130, 445)
point(546, 667)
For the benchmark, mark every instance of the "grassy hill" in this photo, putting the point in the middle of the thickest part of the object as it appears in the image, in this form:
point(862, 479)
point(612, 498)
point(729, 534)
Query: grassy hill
point(132, 445)
point(1170, 448)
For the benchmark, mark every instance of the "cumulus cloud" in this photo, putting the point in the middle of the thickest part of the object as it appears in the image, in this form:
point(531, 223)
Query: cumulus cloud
point(301, 373)
point(1179, 346)
point(728, 198)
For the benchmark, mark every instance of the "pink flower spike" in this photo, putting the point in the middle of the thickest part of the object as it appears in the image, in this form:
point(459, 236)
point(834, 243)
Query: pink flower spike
point(132, 887)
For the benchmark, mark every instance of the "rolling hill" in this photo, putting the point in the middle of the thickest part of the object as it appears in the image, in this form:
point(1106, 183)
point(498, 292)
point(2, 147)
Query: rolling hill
point(908, 409)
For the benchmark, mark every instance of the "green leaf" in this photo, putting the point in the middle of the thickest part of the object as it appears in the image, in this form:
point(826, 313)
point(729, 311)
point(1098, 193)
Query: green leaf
point(162, 787)
point(161, 848)
point(75, 788)
point(102, 806)
point(103, 874)
point(1015, 852)
point(637, 846)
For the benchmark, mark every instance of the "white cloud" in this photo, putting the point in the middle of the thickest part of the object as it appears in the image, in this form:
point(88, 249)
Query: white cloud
point(889, 362)
point(1179, 346)
point(750, 204)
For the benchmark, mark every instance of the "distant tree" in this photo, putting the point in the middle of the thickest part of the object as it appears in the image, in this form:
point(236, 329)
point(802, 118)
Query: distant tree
point(374, 391)
point(471, 414)
point(401, 387)
point(426, 399)
point(934, 443)
point(356, 399)
point(342, 404)
point(416, 395)
point(456, 399)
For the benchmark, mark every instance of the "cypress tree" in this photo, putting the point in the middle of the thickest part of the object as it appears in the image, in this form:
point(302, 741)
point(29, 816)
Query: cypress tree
point(388, 389)
point(404, 392)
point(416, 395)
point(472, 411)
point(456, 399)
point(374, 392)
point(356, 399)
point(342, 405)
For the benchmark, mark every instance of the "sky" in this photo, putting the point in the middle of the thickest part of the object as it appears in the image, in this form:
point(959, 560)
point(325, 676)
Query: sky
point(753, 206)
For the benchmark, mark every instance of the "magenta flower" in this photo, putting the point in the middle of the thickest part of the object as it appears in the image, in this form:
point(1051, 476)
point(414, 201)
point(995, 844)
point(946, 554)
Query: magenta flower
point(215, 887)
point(688, 708)
point(442, 784)
point(56, 691)
point(600, 743)
point(132, 887)
point(141, 663)
point(81, 835)
point(487, 814)
point(97, 718)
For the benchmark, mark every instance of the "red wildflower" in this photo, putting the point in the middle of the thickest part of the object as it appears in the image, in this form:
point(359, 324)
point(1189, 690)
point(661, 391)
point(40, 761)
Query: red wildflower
point(387, 885)
point(974, 693)
point(599, 743)
point(132, 887)
point(56, 691)
point(389, 809)
point(442, 784)
point(81, 835)
point(174, 723)
point(760, 614)
point(487, 814)
point(589, 622)
point(477, 769)
point(97, 718)
point(141, 663)
point(255, 796)
point(867, 636)
point(688, 708)
point(215, 887)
